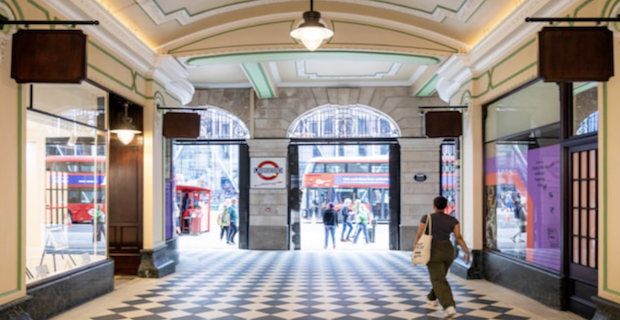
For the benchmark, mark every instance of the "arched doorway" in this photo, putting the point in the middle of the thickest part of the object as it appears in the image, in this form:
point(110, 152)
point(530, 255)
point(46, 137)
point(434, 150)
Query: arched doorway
point(212, 171)
point(341, 155)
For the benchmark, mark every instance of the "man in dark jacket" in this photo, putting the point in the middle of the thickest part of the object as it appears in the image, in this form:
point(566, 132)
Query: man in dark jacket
point(330, 221)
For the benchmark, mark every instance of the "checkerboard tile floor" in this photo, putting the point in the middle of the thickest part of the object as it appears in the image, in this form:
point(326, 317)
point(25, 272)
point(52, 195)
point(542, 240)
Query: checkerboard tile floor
point(298, 285)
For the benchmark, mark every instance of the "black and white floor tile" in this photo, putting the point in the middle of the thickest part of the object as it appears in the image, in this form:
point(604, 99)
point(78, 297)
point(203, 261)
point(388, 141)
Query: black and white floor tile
point(270, 285)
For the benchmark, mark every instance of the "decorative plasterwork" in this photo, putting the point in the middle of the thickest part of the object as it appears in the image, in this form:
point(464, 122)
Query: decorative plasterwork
point(184, 17)
point(174, 77)
point(301, 72)
point(500, 42)
point(115, 36)
point(6, 31)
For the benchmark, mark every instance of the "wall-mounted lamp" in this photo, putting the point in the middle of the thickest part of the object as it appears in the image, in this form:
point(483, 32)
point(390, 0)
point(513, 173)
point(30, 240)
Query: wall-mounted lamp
point(125, 130)
point(312, 32)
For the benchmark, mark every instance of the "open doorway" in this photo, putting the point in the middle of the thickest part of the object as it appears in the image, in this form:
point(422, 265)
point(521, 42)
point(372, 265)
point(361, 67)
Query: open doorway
point(207, 195)
point(355, 181)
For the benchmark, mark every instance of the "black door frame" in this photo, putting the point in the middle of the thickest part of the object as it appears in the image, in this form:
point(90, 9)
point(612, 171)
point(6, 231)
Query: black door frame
point(243, 203)
point(294, 183)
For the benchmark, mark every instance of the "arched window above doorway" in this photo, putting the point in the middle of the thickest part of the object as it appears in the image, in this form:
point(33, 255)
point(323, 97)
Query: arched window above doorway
point(351, 121)
point(219, 124)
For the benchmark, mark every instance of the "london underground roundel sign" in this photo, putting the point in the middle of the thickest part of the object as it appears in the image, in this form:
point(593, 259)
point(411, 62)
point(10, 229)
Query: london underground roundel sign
point(268, 170)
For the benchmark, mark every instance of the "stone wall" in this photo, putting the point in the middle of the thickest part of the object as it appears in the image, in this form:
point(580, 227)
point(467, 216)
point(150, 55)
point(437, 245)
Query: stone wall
point(273, 117)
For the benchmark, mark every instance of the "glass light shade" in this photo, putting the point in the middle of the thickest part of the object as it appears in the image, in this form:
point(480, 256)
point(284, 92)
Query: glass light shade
point(125, 135)
point(312, 36)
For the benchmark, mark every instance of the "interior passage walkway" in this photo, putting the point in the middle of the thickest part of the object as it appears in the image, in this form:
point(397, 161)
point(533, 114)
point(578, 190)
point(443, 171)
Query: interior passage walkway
point(320, 284)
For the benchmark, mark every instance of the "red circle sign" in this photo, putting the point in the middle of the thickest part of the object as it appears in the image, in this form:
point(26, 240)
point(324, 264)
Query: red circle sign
point(263, 172)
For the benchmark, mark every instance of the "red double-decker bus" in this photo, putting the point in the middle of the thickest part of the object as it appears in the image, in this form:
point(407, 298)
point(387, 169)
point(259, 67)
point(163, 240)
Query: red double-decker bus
point(334, 179)
point(85, 183)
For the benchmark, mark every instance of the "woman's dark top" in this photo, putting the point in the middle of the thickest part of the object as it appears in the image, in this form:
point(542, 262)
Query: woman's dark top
point(442, 225)
point(330, 217)
point(346, 213)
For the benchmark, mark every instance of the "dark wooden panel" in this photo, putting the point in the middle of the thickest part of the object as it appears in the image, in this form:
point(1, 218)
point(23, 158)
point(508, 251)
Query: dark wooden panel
point(181, 125)
point(129, 238)
point(568, 54)
point(125, 208)
point(443, 124)
point(56, 56)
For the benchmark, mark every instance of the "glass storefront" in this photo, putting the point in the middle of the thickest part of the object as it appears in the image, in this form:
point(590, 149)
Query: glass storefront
point(66, 152)
point(522, 176)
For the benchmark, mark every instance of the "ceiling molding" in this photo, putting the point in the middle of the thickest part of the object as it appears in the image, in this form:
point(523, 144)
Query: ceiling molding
point(259, 79)
point(265, 56)
point(115, 36)
point(329, 17)
point(462, 13)
point(301, 72)
point(110, 32)
point(500, 42)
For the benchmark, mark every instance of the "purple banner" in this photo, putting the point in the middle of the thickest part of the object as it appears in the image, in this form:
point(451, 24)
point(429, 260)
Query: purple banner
point(543, 186)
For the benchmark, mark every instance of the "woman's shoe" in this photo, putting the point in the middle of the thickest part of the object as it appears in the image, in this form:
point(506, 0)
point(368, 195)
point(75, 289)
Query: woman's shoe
point(431, 303)
point(449, 313)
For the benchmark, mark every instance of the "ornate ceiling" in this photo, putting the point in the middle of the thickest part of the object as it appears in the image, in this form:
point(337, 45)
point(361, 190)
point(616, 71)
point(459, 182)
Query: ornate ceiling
point(246, 43)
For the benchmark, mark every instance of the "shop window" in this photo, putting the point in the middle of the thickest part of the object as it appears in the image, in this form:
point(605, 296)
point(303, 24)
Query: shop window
point(522, 187)
point(65, 177)
point(585, 108)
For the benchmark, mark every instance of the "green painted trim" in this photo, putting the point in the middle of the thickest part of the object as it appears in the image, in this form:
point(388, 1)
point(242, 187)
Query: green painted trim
point(38, 6)
point(173, 97)
point(19, 9)
point(429, 87)
point(20, 160)
point(183, 9)
point(288, 22)
point(8, 293)
point(584, 87)
point(316, 55)
point(376, 75)
point(490, 72)
point(605, 178)
point(259, 80)
point(334, 22)
point(134, 75)
point(475, 11)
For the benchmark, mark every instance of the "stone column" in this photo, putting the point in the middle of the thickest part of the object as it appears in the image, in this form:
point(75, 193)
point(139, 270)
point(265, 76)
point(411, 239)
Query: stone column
point(268, 213)
point(418, 156)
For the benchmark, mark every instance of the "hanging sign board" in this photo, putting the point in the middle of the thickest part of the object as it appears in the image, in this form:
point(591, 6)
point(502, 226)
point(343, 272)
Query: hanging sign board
point(568, 54)
point(268, 173)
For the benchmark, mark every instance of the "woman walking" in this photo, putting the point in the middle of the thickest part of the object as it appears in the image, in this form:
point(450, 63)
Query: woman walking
point(330, 222)
point(442, 254)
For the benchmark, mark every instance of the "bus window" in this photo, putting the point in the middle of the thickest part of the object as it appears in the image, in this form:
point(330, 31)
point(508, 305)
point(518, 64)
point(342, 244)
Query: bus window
point(316, 167)
point(335, 167)
point(74, 196)
point(72, 167)
point(379, 167)
point(87, 167)
point(357, 167)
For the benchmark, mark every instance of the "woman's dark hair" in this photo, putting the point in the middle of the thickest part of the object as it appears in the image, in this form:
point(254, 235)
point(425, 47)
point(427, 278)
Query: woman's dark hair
point(331, 205)
point(440, 203)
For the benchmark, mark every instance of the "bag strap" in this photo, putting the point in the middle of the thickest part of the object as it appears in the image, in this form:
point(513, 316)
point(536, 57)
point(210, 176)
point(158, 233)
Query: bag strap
point(429, 223)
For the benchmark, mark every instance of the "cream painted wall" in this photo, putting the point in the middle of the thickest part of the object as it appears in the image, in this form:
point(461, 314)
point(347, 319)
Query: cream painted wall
point(609, 185)
point(471, 177)
point(512, 71)
point(12, 188)
point(154, 234)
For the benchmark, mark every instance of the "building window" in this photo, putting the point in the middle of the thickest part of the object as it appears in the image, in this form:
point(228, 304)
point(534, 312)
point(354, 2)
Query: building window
point(522, 176)
point(66, 154)
point(353, 121)
point(585, 108)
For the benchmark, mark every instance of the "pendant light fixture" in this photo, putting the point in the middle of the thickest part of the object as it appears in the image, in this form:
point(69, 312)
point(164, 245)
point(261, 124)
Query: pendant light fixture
point(125, 130)
point(312, 32)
